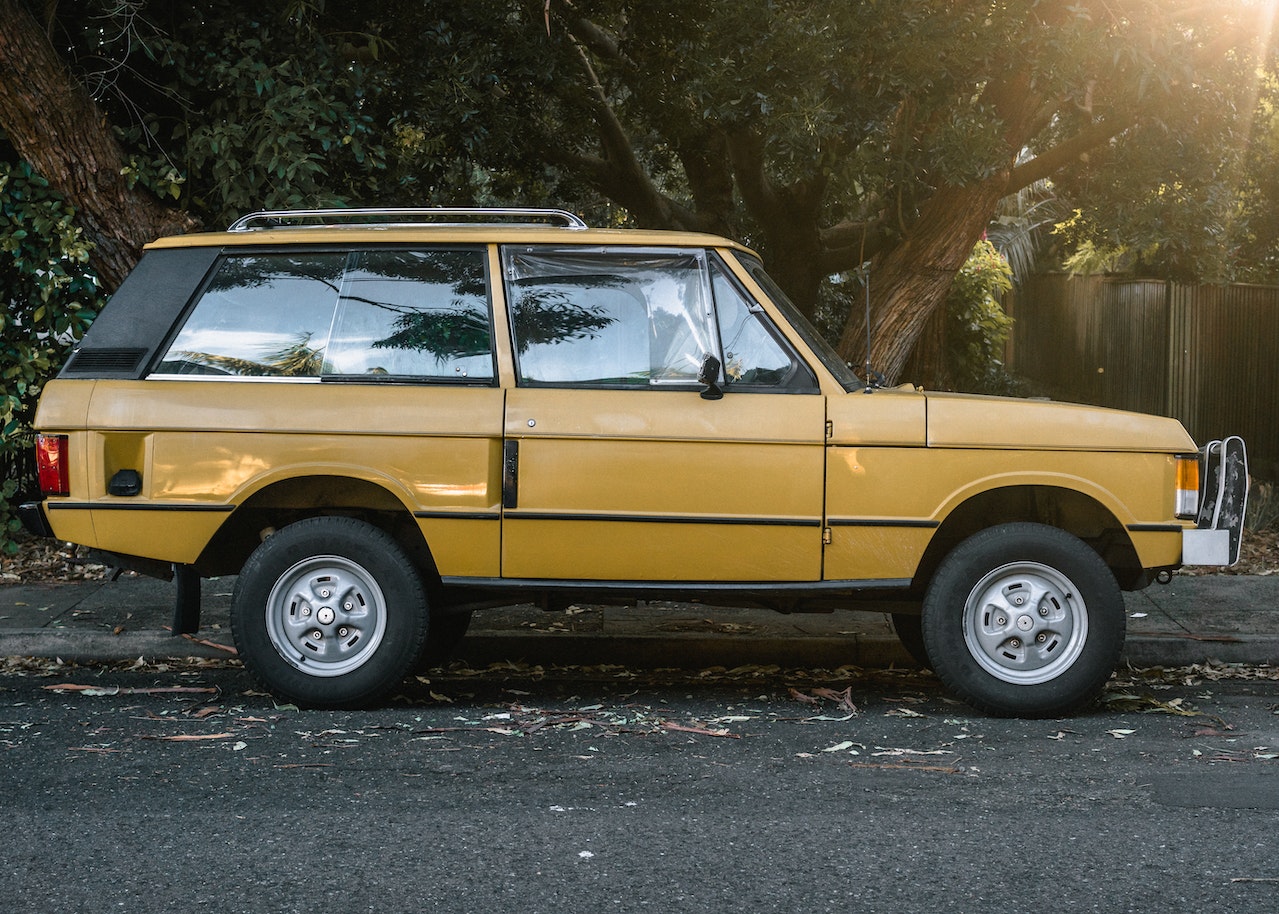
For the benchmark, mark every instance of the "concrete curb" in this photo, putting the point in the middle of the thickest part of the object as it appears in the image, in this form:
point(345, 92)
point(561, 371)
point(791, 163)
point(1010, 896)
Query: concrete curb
point(1177, 650)
point(481, 649)
point(693, 651)
point(87, 646)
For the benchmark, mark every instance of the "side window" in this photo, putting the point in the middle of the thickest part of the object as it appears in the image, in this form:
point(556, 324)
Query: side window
point(413, 314)
point(620, 318)
point(376, 314)
point(754, 354)
point(801, 325)
point(260, 316)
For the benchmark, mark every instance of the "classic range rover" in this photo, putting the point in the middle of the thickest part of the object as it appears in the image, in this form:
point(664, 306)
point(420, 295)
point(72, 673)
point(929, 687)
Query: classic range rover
point(381, 420)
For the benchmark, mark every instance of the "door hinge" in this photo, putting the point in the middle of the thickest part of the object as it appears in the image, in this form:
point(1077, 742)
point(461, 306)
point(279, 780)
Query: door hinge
point(826, 536)
point(830, 429)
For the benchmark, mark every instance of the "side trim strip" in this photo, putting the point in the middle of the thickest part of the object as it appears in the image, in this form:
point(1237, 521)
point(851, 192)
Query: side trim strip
point(121, 506)
point(457, 515)
point(1155, 528)
point(667, 519)
point(685, 586)
point(881, 522)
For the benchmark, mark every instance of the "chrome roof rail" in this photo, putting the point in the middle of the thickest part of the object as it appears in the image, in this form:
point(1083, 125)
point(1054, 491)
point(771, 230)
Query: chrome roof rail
point(405, 218)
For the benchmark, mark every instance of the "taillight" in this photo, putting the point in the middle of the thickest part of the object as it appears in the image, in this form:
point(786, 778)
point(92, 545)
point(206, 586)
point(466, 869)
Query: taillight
point(51, 463)
point(1187, 486)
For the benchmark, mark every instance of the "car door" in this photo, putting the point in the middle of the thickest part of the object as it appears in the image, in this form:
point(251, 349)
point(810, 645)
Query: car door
point(617, 467)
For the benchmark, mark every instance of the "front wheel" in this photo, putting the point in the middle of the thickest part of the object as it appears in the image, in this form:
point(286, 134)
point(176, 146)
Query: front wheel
point(329, 613)
point(1024, 620)
point(909, 628)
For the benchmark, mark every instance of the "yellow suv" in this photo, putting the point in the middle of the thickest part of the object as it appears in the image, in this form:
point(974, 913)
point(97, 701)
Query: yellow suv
point(382, 420)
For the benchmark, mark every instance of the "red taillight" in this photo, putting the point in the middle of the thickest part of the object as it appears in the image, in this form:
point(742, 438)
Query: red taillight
point(51, 462)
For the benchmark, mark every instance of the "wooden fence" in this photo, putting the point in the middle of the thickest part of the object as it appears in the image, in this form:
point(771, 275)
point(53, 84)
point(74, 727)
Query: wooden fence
point(1207, 355)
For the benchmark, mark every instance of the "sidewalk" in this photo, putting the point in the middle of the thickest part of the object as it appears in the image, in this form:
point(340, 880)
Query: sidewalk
point(1194, 619)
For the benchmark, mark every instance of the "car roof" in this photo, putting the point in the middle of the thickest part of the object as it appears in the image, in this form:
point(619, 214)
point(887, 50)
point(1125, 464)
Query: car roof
point(431, 225)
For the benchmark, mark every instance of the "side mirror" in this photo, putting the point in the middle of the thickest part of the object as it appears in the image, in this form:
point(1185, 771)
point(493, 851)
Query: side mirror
point(709, 375)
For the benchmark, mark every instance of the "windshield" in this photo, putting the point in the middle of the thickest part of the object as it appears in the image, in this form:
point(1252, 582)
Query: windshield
point(821, 348)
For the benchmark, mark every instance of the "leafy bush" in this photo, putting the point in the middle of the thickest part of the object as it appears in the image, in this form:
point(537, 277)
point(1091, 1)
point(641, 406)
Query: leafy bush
point(50, 297)
point(977, 327)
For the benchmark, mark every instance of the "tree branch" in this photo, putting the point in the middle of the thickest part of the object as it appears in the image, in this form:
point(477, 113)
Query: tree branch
point(848, 244)
point(746, 152)
point(597, 39)
point(616, 172)
point(1052, 160)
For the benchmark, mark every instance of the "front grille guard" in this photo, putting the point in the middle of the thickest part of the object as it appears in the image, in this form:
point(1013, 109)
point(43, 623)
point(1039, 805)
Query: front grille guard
point(1223, 490)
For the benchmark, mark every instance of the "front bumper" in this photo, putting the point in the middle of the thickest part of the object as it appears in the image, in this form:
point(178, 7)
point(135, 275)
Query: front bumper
point(1223, 501)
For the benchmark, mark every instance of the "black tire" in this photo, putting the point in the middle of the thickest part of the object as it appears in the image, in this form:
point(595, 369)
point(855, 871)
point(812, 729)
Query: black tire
point(1024, 620)
point(909, 628)
point(447, 632)
point(329, 613)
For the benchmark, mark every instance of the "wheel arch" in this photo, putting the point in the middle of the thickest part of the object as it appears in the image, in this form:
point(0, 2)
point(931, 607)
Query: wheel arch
point(287, 501)
point(1075, 512)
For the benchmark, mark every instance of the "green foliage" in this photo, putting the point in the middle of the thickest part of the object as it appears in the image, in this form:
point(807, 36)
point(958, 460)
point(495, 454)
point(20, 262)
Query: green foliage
point(50, 297)
point(1187, 196)
point(225, 107)
point(976, 326)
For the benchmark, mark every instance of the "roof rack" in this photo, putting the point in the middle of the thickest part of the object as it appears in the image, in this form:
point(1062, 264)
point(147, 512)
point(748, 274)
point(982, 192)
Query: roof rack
point(404, 218)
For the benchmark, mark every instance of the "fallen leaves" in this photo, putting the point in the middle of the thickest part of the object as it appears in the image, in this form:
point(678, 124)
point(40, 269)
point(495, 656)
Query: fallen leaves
point(47, 561)
point(843, 701)
point(1193, 675)
point(908, 765)
point(108, 691)
point(1147, 704)
point(845, 746)
point(522, 720)
point(701, 731)
point(190, 737)
point(101, 749)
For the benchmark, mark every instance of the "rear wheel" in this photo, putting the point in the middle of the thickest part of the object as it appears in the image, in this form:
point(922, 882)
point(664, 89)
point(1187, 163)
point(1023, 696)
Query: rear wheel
point(329, 613)
point(1024, 620)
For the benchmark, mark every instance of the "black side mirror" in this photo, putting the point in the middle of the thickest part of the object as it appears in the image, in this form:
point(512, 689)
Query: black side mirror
point(709, 375)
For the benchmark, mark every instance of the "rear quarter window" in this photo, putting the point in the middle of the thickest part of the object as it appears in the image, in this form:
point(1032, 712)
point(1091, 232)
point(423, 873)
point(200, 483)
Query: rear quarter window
point(362, 315)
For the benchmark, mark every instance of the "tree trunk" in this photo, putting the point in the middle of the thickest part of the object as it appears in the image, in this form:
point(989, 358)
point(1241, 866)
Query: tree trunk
point(927, 365)
point(909, 283)
point(55, 125)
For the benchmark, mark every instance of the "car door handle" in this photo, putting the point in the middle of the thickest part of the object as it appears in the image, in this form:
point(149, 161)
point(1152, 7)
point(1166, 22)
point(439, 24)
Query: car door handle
point(510, 474)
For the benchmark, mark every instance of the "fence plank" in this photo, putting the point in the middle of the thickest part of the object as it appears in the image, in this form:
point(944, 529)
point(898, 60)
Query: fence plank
point(1207, 355)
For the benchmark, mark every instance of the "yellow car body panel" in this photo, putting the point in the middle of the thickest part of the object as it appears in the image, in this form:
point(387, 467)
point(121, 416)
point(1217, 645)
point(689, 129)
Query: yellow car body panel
point(883, 504)
point(201, 446)
point(663, 485)
point(959, 420)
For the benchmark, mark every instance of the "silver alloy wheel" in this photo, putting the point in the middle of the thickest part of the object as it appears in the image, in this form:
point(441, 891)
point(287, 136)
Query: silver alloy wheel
point(1025, 623)
point(326, 615)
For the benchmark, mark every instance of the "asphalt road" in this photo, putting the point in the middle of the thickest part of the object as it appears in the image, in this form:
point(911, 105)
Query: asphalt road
point(600, 790)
